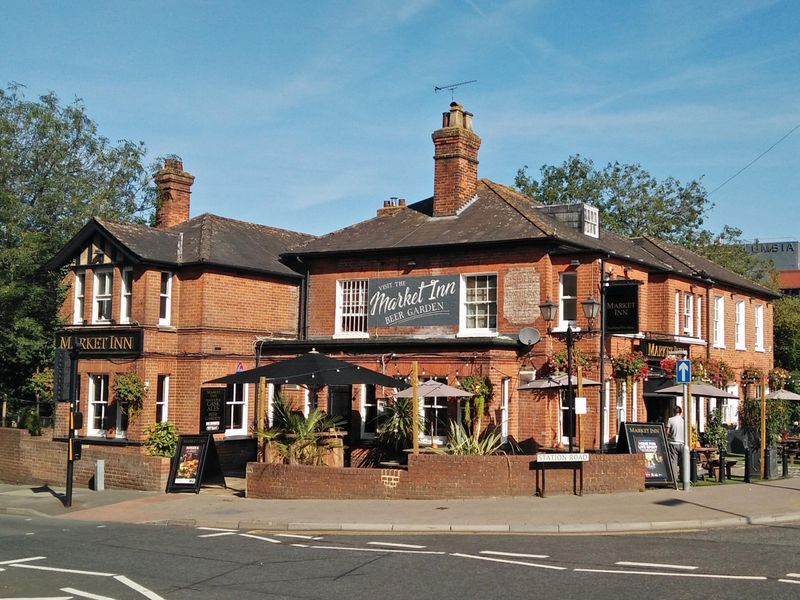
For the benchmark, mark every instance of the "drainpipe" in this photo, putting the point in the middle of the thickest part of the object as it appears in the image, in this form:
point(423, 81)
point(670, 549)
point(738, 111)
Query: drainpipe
point(603, 398)
point(302, 332)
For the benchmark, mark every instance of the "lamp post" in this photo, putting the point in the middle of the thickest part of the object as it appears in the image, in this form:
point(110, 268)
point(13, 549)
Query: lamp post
point(549, 310)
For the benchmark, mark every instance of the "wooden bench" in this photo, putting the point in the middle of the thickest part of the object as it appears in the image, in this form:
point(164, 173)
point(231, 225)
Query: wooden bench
point(714, 468)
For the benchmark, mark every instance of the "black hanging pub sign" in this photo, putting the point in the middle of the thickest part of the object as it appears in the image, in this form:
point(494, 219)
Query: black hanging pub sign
point(622, 306)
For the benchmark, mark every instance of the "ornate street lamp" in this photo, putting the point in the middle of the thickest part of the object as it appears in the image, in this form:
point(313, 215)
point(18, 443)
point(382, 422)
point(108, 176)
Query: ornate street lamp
point(549, 310)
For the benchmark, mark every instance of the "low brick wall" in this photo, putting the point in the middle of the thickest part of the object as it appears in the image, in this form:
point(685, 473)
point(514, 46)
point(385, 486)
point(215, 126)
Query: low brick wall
point(436, 476)
point(40, 460)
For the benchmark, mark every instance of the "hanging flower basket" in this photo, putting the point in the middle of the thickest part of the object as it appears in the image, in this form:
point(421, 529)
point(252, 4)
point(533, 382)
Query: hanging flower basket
point(751, 374)
point(668, 365)
point(778, 378)
point(557, 362)
point(630, 364)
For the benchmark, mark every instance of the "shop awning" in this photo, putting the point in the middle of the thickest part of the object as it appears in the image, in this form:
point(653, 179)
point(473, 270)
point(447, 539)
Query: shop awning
point(552, 382)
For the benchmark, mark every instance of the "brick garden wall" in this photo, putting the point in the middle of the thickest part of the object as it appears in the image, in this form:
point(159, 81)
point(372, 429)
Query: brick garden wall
point(40, 460)
point(436, 476)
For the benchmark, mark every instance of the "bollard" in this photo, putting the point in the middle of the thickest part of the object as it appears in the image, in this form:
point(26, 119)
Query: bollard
point(693, 459)
point(100, 476)
point(747, 464)
point(785, 459)
point(765, 458)
point(723, 456)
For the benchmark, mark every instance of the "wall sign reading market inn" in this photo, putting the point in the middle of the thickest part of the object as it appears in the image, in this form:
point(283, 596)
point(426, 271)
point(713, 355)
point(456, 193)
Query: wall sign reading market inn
point(413, 301)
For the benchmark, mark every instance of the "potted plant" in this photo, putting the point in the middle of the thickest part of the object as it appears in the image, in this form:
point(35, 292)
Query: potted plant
point(129, 393)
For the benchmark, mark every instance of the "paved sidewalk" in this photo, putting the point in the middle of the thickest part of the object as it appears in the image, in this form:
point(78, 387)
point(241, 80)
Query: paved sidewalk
point(775, 501)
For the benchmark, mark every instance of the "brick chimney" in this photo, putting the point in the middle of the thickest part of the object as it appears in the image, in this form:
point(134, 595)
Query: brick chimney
point(173, 191)
point(456, 146)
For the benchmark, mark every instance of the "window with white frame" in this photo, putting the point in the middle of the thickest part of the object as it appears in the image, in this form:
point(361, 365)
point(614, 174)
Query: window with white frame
point(622, 393)
point(351, 308)
point(504, 416)
point(80, 298)
point(568, 299)
point(677, 313)
point(165, 299)
point(103, 285)
point(688, 315)
point(96, 422)
point(740, 339)
point(162, 399)
point(371, 410)
point(480, 303)
point(591, 221)
point(434, 416)
point(699, 331)
point(126, 296)
point(759, 324)
point(719, 322)
point(236, 410)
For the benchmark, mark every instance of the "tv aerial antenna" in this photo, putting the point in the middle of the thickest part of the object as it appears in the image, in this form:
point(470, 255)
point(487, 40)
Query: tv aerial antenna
point(452, 87)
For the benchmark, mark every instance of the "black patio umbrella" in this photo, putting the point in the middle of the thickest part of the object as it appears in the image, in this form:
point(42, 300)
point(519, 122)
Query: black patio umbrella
point(313, 370)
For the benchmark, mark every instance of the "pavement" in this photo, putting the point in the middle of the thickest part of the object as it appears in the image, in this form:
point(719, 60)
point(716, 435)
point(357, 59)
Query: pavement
point(733, 505)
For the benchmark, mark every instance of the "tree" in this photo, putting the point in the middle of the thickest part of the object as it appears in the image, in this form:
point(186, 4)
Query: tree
point(786, 327)
point(633, 203)
point(56, 171)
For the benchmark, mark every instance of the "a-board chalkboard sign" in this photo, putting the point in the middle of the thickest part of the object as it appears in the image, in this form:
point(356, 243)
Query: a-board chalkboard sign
point(648, 439)
point(195, 462)
point(212, 410)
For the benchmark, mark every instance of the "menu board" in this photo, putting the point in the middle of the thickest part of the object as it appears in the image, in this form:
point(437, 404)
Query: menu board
point(648, 439)
point(195, 461)
point(212, 410)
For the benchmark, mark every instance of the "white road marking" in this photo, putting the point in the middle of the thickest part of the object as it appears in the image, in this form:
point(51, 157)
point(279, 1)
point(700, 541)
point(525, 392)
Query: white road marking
point(30, 533)
point(216, 529)
point(30, 558)
point(394, 545)
point(75, 592)
point(788, 574)
point(297, 536)
point(260, 537)
point(509, 562)
point(790, 581)
point(101, 526)
point(658, 573)
point(139, 588)
point(76, 571)
point(514, 554)
point(657, 565)
point(376, 550)
point(300, 545)
point(210, 535)
point(48, 598)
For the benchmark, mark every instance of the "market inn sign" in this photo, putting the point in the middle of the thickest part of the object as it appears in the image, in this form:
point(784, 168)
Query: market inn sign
point(105, 342)
point(622, 306)
point(413, 301)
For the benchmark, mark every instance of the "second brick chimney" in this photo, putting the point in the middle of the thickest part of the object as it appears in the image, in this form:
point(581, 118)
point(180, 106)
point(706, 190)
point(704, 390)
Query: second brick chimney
point(456, 162)
point(173, 186)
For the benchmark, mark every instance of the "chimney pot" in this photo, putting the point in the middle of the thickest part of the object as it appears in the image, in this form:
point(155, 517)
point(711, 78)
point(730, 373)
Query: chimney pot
point(173, 193)
point(455, 162)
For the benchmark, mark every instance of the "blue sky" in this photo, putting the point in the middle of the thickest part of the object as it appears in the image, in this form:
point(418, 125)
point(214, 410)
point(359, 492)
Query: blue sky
point(307, 115)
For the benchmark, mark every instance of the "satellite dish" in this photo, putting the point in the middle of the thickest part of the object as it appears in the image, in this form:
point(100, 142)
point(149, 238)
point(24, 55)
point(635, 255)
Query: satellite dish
point(529, 336)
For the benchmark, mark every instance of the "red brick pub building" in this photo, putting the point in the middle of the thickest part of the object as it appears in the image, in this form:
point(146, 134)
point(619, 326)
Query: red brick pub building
point(448, 282)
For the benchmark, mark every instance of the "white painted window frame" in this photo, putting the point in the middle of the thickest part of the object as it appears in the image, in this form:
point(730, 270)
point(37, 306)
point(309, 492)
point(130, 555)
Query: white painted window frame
point(240, 399)
point(741, 341)
point(162, 399)
point(356, 310)
point(463, 329)
point(95, 404)
point(719, 321)
point(591, 221)
point(563, 322)
point(677, 312)
point(126, 295)
point(106, 274)
point(165, 317)
point(621, 389)
point(699, 317)
point(505, 387)
point(79, 303)
point(759, 327)
point(688, 315)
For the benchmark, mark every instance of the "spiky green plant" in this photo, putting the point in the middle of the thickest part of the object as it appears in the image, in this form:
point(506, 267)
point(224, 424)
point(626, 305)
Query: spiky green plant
point(461, 442)
point(396, 430)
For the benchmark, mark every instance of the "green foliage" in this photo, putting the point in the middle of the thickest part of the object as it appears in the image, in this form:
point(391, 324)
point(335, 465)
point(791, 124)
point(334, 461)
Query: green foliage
point(777, 412)
point(475, 407)
point(461, 442)
point(56, 171)
point(299, 439)
point(633, 203)
point(161, 439)
point(786, 330)
point(630, 364)
point(557, 362)
point(129, 392)
point(716, 432)
point(396, 430)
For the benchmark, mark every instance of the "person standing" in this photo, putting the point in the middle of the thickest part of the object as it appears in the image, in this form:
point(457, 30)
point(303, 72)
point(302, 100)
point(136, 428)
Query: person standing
point(677, 439)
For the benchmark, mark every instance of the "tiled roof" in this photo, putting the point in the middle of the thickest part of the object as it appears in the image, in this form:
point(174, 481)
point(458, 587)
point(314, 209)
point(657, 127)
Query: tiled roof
point(205, 239)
